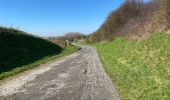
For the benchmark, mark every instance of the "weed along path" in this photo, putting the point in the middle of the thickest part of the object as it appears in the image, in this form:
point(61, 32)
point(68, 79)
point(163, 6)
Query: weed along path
point(79, 76)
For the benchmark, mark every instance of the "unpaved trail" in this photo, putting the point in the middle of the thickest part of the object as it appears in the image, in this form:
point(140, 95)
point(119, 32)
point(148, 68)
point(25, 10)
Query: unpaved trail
point(79, 76)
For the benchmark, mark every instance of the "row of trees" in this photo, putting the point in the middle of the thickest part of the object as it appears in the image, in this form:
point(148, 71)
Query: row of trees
point(134, 17)
point(71, 37)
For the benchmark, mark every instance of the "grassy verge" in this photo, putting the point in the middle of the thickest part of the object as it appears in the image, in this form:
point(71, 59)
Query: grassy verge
point(140, 69)
point(20, 69)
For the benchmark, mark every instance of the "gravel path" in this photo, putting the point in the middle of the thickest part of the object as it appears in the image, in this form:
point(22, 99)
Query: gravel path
point(79, 76)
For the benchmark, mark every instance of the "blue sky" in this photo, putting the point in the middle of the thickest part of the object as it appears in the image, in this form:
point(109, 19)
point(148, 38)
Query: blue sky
point(56, 17)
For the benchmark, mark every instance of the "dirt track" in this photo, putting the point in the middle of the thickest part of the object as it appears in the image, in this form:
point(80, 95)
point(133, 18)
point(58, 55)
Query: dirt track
point(79, 76)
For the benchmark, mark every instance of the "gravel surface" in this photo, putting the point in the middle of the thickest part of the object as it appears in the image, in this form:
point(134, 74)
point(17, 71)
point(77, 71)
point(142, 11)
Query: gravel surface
point(79, 76)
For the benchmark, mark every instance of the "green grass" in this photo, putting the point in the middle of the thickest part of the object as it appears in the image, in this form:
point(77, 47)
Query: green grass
point(140, 69)
point(20, 51)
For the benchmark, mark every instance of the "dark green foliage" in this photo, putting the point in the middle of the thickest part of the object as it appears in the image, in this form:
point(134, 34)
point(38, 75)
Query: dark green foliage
point(18, 48)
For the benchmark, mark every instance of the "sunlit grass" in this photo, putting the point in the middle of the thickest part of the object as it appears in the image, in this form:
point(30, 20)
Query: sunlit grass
point(139, 68)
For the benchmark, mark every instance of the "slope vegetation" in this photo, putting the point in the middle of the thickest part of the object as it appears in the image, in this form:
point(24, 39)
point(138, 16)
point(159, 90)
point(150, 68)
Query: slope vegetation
point(18, 48)
point(133, 44)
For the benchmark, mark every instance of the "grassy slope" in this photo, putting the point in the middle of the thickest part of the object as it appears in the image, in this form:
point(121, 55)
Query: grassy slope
point(140, 69)
point(18, 48)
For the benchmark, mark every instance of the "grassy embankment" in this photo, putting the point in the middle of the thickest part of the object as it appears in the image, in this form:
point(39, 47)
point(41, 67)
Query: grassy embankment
point(140, 69)
point(20, 51)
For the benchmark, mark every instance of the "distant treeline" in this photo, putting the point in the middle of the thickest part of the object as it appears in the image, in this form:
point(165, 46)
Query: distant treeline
point(134, 19)
point(72, 36)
